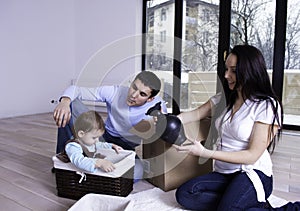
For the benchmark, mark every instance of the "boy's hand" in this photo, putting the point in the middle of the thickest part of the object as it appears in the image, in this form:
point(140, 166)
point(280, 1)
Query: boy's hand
point(105, 165)
point(117, 148)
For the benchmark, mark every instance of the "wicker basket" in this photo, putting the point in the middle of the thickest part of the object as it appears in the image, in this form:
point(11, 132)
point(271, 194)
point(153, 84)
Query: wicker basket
point(68, 185)
point(73, 183)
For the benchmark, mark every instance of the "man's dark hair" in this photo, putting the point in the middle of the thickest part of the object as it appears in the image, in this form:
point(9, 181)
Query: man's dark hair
point(151, 80)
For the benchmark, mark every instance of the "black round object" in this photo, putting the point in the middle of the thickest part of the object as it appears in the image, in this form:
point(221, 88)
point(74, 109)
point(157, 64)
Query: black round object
point(168, 127)
point(174, 132)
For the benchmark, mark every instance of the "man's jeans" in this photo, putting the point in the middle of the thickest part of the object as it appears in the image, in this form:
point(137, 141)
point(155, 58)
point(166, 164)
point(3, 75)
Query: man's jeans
point(65, 133)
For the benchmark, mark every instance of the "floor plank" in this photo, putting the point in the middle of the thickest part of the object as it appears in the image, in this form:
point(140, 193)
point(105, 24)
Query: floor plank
point(27, 145)
point(8, 204)
point(286, 166)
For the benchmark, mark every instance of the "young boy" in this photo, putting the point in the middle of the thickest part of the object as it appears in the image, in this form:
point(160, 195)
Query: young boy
point(82, 150)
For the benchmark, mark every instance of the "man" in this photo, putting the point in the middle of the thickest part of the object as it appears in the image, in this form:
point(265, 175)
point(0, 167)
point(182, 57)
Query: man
point(126, 106)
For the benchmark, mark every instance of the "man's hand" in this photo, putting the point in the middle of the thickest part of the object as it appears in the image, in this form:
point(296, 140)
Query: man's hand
point(62, 112)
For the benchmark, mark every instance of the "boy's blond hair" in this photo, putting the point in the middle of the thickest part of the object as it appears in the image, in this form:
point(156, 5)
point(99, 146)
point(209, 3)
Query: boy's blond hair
point(88, 121)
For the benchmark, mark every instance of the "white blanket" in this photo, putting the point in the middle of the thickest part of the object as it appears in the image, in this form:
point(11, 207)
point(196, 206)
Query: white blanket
point(143, 197)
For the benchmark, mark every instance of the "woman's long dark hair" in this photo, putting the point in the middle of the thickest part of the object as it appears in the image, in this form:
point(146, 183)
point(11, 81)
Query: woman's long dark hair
point(253, 78)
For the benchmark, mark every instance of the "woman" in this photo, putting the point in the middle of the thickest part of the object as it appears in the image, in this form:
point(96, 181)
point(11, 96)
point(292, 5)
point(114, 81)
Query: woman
point(247, 127)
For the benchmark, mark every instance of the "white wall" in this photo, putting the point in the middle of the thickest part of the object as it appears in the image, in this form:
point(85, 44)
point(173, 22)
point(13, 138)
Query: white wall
point(102, 30)
point(47, 43)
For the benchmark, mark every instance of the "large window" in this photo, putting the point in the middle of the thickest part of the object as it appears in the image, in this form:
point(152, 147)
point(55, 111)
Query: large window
point(199, 52)
point(186, 47)
point(291, 82)
point(159, 26)
point(253, 23)
point(198, 46)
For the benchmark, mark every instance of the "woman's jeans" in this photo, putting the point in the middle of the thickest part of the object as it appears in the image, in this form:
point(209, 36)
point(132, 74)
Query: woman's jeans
point(215, 191)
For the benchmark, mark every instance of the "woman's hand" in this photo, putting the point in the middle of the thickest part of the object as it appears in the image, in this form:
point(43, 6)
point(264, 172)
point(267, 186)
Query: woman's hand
point(62, 112)
point(195, 148)
point(105, 165)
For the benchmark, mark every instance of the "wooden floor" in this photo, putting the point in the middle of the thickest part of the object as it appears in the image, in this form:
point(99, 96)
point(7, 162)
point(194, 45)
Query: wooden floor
point(27, 144)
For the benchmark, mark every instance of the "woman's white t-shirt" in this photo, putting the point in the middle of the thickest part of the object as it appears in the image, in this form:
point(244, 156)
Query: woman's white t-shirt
point(235, 135)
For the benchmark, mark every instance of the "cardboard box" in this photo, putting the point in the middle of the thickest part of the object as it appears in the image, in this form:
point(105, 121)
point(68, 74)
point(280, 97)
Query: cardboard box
point(168, 169)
